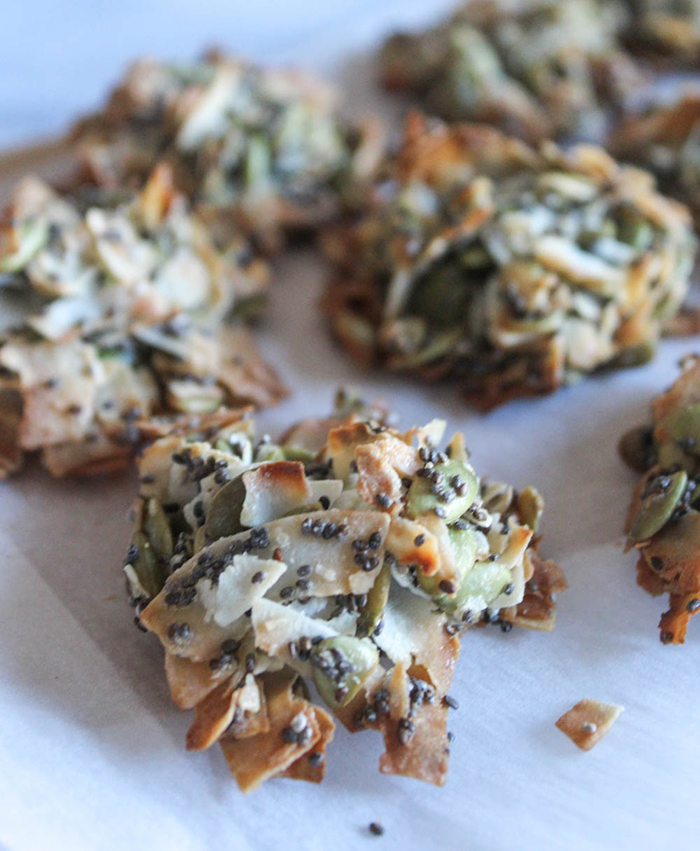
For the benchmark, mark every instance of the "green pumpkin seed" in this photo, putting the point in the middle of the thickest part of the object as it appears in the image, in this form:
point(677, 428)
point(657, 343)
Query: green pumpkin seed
point(304, 509)
point(356, 330)
point(224, 512)
point(695, 497)
point(442, 296)
point(635, 231)
point(148, 570)
point(636, 356)
point(683, 426)
point(371, 613)
point(341, 665)
point(485, 582)
point(464, 547)
point(636, 447)
point(298, 453)
point(157, 528)
point(440, 345)
point(670, 454)
point(269, 453)
point(454, 476)
point(249, 308)
point(497, 497)
point(659, 500)
point(200, 540)
point(475, 257)
point(530, 507)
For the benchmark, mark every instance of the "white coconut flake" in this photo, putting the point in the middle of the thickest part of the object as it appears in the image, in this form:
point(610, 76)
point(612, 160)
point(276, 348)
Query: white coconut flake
point(235, 591)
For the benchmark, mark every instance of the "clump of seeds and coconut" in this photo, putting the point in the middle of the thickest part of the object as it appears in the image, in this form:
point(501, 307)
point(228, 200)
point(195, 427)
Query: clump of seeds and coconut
point(663, 523)
point(348, 554)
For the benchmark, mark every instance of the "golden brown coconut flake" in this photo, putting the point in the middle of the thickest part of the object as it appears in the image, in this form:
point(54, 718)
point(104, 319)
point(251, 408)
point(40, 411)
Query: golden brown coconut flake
point(587, 722)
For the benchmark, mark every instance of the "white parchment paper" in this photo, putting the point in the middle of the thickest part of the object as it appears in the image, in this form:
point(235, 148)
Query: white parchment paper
point(92, 752)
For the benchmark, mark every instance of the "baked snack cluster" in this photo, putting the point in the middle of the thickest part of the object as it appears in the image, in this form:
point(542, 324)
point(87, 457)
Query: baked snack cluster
point(665, 139)
point(663, 523)
point(513, 269)
point(536, 70)
point(264, 147)
point(348, 555)
point(112, 313)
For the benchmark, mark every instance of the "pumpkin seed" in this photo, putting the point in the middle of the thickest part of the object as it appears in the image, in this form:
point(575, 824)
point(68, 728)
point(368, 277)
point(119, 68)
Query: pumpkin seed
point(482, 584)
point(269, 453)
point(149, 571)
point(497, 497)
point(530, 507)
point(157, 529)
point(200, 540)
point(439, 346)
point(683, 426)
point(448, 493)
point(304, 509)
point(224, 512)
point(464, 547)
point(442, 297)
point(637, 355)
point(371, 613)
point(636, 447)
point(670, 455)
point(298, 453)
point(341, 665)
point(634, 230)
point(662, 494)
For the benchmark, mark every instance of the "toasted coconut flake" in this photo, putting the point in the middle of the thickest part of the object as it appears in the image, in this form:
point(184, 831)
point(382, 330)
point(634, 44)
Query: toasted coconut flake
point(425, 754)
point(380, 466)
point(587, 722)
point(189, 682)
point(312, 766)
point(342, 442)
point(53, 414)
point(412, 633)
point(97, 455)
point(213, 616)
point(255, 759)
point(244, 374)
point(272, 490)
point(334, 569)
point(278, 627)
point(401, 542)
point(238, 706)
point(537, 610)
point(11, 457)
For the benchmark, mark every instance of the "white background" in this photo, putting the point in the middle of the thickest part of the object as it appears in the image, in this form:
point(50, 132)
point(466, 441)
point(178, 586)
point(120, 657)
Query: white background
point(91, 750)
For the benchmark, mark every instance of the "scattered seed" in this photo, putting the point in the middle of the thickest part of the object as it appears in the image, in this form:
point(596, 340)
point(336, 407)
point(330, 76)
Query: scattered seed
point(450, 701)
